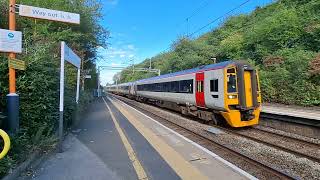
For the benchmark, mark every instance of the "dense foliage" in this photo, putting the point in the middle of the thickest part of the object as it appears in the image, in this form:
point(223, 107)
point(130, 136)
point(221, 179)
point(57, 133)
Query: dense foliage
point(38, 86)
point(282, 40)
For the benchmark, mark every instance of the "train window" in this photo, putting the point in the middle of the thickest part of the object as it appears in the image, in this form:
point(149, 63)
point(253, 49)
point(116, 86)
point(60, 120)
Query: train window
point(158, 87)
point(186, 86)
point(232, 83)
point(214, 85)
point(232, 70)
point(166, 87)
point(174, 86)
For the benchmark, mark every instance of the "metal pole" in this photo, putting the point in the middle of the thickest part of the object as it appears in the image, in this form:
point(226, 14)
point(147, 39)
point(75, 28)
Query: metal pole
point(12, 97)
point(83, 76)
point(61, 97)
point(150, 64)
point(187, 26)
point(78, 86)
point(12, 26)
point(98, 79)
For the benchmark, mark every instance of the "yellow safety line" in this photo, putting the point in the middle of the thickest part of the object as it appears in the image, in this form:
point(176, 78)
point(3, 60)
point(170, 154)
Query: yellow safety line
point(182, 167)
point(6, 146)
point(132, 155)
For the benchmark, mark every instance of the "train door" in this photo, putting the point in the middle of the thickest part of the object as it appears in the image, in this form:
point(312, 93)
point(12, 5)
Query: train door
point(200, 89)
point(248, 88)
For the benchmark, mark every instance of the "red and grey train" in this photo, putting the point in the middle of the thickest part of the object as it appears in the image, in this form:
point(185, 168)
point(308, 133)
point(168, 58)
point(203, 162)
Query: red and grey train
point(224, 92)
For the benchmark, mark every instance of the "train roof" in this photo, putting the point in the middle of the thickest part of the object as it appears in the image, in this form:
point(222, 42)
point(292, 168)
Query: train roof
point(220, 65)
point(190, 71)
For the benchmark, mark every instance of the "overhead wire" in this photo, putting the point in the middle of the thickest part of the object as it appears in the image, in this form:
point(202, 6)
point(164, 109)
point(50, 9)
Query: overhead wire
point(196, 11)
point(202, 5)
point(218, 18)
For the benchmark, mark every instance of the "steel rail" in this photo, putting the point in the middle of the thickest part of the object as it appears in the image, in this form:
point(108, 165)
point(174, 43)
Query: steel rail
point(276, 146)
point(290, 137)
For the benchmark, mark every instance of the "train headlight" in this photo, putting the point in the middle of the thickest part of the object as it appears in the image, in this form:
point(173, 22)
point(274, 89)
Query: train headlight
point(232, 96)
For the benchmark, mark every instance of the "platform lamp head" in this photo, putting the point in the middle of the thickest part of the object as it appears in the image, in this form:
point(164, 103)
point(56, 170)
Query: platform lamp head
point(213, 59)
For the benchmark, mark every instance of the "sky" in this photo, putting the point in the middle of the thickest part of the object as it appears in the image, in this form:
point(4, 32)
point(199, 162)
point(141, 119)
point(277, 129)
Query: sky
point(142, 29)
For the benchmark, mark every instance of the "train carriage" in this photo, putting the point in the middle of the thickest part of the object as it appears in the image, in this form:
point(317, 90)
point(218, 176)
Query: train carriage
point(227, 91)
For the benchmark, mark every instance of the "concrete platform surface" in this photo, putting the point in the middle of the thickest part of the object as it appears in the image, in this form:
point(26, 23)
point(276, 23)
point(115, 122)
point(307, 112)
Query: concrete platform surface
point(115, 141)
point(294, 111)
point(76, 162)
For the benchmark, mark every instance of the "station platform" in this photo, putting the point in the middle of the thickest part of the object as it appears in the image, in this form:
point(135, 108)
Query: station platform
point(116, 141)
point(294, 111)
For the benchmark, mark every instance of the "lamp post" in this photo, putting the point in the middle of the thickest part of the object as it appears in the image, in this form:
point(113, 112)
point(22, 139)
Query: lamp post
point(98, 82)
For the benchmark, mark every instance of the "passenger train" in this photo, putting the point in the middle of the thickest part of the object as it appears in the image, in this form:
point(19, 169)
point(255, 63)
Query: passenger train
point(226, 92)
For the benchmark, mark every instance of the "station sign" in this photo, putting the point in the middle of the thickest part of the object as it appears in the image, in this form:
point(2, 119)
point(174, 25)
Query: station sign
point(88, 76)
point(10, 41)
point(17, 64)
point(49, 14)
point(71, 57)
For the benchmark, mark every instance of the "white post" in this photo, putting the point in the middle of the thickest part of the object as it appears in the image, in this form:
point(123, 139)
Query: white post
point(98, 78)
point(78, 86)
point(61, 96)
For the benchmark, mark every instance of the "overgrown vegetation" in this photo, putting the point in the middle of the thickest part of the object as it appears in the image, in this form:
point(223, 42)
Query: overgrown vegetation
point(282, 40)
point(38, 86)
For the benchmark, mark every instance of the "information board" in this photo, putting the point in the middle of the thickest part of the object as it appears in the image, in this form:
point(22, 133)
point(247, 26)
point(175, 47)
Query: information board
point(10, 41)
point(71, 57)
point(49, 14)
point(17, 64)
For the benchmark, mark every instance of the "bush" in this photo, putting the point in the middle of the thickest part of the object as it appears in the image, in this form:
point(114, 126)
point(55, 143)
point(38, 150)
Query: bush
point(38, 86)
point(289, 82)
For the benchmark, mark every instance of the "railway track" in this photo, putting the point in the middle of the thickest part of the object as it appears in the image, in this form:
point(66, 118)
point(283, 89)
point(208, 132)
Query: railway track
point(255, 167)
point(291, 137)
point(298, 147)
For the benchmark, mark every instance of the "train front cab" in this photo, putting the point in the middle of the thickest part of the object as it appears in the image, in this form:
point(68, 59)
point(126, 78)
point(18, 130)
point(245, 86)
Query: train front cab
point(242, 95)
